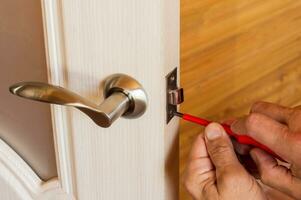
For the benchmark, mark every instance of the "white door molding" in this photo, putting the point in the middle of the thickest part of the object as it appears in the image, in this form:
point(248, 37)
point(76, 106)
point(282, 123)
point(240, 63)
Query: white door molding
point(54, 42)
point(22, 180)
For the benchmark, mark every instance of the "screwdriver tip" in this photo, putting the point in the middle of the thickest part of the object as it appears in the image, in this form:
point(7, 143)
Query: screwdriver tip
point(178, 114)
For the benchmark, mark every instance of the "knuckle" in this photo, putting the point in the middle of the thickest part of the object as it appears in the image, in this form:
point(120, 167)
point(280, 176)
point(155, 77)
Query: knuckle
point(222, 154)
point(220, 150)
point(252, 120)
point(257, 105)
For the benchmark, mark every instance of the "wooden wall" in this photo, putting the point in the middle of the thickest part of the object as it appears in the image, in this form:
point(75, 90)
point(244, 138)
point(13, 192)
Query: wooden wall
point(234, 53)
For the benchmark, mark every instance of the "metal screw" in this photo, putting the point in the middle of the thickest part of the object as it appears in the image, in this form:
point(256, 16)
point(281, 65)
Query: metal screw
point(172, 78)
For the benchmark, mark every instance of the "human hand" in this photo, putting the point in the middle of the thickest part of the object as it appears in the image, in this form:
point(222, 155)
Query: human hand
point(278, 128)
point(214, 173)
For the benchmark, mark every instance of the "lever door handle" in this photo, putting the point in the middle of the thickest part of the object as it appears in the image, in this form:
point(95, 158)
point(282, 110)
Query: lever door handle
point(124, 96)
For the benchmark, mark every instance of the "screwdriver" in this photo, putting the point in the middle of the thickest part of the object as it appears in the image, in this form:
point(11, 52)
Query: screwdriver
point(242, 139)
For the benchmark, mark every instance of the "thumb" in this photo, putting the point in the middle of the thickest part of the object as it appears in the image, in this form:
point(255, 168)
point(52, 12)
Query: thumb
point(220, 148)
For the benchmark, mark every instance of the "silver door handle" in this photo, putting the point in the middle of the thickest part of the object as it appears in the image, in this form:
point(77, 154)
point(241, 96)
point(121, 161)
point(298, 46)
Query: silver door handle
point(124, 96)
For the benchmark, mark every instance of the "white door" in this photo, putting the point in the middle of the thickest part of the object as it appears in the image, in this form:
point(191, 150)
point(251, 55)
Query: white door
point(134, 159)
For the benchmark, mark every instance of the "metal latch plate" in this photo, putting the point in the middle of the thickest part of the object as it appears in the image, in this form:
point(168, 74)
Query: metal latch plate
point(174, 94)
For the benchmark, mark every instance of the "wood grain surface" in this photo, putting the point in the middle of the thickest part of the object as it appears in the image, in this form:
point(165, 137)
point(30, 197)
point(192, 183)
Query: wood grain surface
point(234, 53)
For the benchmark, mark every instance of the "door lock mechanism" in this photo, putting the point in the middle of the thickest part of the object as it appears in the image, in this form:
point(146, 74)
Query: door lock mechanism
point(174, 94)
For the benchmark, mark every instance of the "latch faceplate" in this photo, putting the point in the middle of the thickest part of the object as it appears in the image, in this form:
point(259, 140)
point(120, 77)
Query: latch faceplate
point(174, 94)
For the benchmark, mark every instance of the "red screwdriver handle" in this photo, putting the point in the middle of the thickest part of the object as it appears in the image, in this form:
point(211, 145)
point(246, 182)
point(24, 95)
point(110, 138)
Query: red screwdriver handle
point(242, 139)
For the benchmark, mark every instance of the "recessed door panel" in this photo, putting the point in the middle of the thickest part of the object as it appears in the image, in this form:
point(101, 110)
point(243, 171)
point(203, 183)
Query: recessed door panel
point(25, 125)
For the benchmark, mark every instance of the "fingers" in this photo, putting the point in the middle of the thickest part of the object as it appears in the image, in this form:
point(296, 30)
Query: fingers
point(200, 175)
point(274, 194)
point(267, 131)
point(276, 112)
point(276, 176)
point(220, 149)
point(210, 175)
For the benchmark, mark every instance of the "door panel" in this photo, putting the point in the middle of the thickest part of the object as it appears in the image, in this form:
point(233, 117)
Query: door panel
point(88, 41)
point(26, 126)
point(234, 53)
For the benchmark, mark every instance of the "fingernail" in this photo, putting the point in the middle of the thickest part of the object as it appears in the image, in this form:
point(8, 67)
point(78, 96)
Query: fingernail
point(213, 131)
